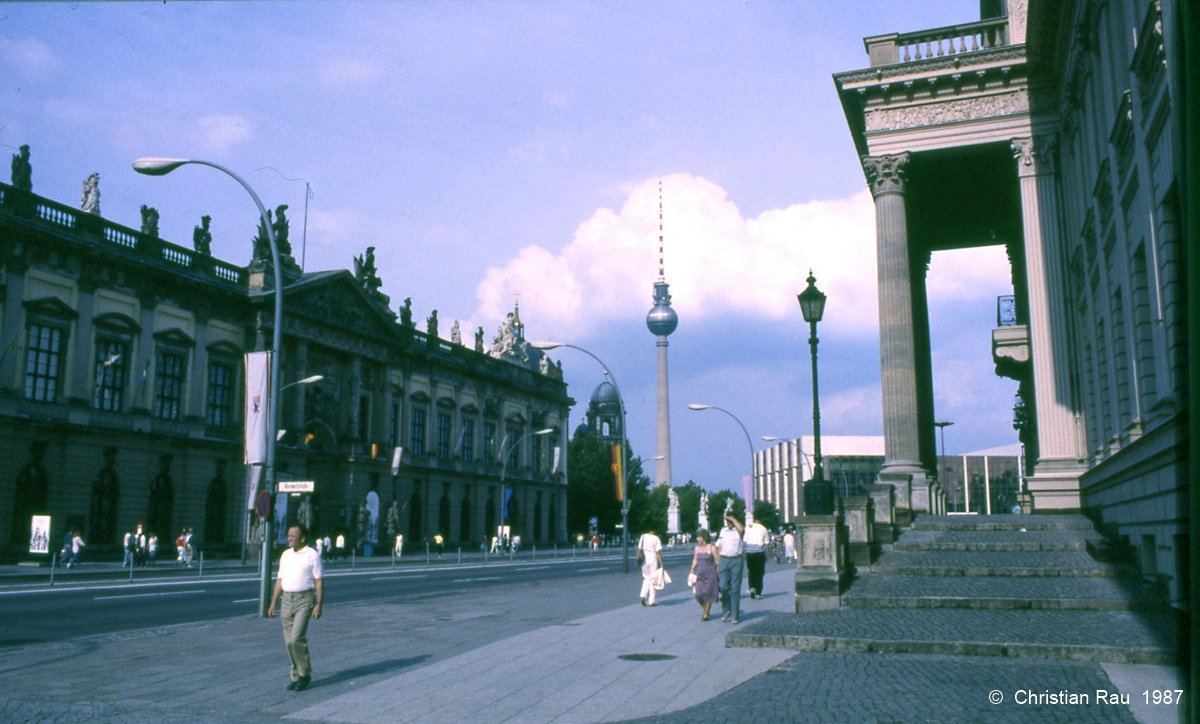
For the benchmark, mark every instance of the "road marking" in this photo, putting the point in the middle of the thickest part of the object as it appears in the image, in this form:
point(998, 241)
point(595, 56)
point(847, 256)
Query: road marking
point(245, 600)
point(147, 595)
point(398, 577)
point(472, 580)
point(534, 568)
point(589, 570)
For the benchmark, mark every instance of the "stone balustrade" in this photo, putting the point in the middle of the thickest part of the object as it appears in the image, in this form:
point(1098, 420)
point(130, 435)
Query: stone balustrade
point(896, 48)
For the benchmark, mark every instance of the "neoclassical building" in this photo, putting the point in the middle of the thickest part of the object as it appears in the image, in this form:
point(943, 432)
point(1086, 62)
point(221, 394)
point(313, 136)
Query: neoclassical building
point(122, 392)
point(1047, 127)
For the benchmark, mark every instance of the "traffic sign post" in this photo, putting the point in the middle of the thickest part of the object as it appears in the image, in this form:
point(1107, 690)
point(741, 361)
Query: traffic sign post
point(262, 506)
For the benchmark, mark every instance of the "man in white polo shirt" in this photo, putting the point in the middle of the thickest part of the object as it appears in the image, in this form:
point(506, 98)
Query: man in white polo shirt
point(300, 586)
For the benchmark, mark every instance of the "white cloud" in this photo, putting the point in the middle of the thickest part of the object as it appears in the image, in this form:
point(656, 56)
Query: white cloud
point(33, 58)
point(340, 72)
point(717, 262)
point(853, 410)
point(222, 132)
point(969, 274)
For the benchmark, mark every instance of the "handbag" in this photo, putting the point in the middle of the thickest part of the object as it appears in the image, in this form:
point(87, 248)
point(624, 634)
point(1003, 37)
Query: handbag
point(691, 580)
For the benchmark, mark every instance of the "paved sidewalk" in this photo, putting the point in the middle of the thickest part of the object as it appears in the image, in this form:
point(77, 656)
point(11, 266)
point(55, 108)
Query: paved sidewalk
point(572, 673)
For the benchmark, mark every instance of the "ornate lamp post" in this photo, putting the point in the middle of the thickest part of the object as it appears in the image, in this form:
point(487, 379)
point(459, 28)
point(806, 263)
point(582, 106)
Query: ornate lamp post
point(818, 492)
point(624, 467)
point(162, 167)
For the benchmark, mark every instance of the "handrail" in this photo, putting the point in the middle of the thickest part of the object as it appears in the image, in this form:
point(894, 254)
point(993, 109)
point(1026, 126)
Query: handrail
point(936, 42)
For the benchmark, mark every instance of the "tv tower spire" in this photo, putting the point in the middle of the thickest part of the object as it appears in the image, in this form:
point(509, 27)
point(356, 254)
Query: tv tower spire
point(662, 321)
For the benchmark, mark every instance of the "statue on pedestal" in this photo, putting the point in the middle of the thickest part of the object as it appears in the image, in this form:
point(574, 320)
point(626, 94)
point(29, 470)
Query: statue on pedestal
point(280, 227)
point(393, 519)
point(544, 365)
point(365, 271)
point(456, 333)
point(202, 237)
point(22, 170)
point(672, 512)
point(90, 201)
point(150, 220)
point(431, 325)
point(479, 340)
point(406, 313)
point(703, 517)
point(729, 506)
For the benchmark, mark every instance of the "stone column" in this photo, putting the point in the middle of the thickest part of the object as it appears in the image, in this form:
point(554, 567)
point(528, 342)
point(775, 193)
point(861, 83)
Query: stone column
point(897, 345)
point(1061, 448)
point(197, 408)
point(82, 376)
point(13, 362)
point(354, 389)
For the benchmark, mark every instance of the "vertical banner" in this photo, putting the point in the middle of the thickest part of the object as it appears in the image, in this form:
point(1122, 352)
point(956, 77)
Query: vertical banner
point(254, 475)
point(557, 460)
point(258, 382)
point(748, 496)
point(397, 456)
point(618, 468)
point(281, 518)
point(39, 534)
point(507, 494)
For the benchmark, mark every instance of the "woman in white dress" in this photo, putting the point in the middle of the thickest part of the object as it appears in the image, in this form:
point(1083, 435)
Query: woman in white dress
point(650, 550)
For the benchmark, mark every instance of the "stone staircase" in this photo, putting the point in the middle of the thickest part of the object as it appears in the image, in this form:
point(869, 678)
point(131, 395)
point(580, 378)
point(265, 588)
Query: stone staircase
point(1008, 586)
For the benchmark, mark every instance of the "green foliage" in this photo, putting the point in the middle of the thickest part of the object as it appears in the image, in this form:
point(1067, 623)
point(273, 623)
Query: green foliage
point(768, 514)
point(592, 492)
point(716, 508)
point(648, 507)
point(689, 506)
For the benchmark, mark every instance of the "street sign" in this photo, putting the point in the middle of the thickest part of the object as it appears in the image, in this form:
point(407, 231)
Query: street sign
point(397, 454)
point(296, 486)
point(262, 505)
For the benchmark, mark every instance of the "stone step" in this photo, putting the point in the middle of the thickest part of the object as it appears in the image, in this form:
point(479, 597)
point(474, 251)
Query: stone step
point(1053, 564)
point(1103, 636)
point(1032, 541)
point(1002, 522)
point(1030, 594)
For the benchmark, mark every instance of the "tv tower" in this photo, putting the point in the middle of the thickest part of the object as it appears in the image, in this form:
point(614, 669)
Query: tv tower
point(662, 320)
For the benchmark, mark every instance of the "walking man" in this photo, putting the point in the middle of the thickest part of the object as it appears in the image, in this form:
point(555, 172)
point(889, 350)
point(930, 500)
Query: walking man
point(301, 589)
point(756, 539)
point(732, 550)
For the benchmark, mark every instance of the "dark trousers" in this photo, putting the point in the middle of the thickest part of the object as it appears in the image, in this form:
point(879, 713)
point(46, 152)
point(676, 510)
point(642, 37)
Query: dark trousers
point(756, 565)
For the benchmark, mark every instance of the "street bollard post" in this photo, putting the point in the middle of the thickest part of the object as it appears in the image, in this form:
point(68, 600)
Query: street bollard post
point(53, 563)
point(201, 564)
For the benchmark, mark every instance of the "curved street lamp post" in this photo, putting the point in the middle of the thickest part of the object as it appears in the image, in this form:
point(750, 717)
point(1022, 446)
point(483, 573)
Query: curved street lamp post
point(750, 497)
point(624, 465)
point(161, 167)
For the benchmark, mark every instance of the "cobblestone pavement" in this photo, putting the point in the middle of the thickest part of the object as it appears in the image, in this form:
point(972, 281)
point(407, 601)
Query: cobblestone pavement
point(868, 689)
point(1056, 592)
point(1003, 522)
point(1001, 540)
point(1052, 563)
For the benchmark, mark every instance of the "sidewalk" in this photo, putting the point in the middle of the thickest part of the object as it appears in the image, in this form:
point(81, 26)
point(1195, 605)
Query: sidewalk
point(572, 673)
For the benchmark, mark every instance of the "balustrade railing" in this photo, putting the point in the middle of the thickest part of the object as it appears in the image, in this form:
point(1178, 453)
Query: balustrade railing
point(938, 42)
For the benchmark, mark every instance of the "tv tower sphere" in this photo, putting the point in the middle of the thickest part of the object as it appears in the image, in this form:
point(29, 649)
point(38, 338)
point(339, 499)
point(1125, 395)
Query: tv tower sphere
point(662, 320)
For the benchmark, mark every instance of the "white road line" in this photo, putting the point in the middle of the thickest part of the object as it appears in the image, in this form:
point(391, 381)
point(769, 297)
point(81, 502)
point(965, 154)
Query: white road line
point(472, 580)
point(589, 570)
point(147, 595)
point(245, 600)
point(398, 577)
point(534, 568)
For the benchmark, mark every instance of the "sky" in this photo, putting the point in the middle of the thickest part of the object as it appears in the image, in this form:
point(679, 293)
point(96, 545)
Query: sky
point(490, 149)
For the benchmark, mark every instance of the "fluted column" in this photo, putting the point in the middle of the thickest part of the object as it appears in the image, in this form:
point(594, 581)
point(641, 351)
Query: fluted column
point(1060, 439)
point(897, 344)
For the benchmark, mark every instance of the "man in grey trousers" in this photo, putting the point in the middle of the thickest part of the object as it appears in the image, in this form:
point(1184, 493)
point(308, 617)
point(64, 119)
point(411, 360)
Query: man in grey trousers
point(729, 579)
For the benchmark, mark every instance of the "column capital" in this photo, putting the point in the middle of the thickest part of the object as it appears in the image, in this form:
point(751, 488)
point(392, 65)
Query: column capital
point(1035, 155)
point(886, 174)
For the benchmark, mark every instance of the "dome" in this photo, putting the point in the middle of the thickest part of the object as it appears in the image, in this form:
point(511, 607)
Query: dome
point(662, 320)
point(605, 394)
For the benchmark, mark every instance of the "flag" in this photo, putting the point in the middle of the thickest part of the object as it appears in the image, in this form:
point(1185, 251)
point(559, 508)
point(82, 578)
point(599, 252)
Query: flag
point(258, 383)
point(253, 476)
point(397, 455)
point(618, 468)
point(557, 460)
point(748, 496)
point(507, 494)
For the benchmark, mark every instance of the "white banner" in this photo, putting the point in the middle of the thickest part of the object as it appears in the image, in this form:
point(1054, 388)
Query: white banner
point(254, 474)
point(397, 456)
point(39, 534)
point(258, 383)
point(557, 460)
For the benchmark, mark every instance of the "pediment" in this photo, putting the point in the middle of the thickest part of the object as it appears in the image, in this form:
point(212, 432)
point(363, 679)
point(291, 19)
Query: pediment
point(50, 307)
point(175, 337)
point(225, 348)
point(420, 396)
point(516, 418)
point(338, 300)
point(117, 321)
point(447, 403)
point(470, 409)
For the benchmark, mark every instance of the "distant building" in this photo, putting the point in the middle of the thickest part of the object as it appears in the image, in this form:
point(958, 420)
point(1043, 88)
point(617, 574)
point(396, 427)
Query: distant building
point(121, 393)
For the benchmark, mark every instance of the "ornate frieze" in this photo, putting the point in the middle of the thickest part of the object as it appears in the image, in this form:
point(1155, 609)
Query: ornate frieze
point(949, 111)
point(336, 305)
point(886, 174)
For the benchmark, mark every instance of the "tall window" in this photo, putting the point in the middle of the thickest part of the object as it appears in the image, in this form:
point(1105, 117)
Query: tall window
point(42, 361)
point(537, 453)
point(514, 452)
point(394, 425)
point(489, 442)
point(220, 394)
point(443, 436)
point(168, 385)
point(468, 440)
point(417, 430)
point(110, 374)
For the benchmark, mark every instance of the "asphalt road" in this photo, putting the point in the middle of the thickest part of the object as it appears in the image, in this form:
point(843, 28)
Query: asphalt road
point(31, 615)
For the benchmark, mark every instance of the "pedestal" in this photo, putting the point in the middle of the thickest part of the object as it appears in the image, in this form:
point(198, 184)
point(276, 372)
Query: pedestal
point(821, 562)
point(856, 512)
point(902, 484)
point(883, 499)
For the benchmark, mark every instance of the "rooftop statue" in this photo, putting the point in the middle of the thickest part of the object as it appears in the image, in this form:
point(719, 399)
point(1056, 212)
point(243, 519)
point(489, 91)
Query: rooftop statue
point(406, 312)
point(431, 325)
point(365, 272)
point(22, 170)
point(90, 201)
point(456, 333)
point(280, 227)
point(479, 340)
point(201, 237)
point(149, 220)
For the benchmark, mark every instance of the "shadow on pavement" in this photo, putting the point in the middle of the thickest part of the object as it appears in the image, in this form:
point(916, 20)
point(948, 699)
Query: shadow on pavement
point(379, 667)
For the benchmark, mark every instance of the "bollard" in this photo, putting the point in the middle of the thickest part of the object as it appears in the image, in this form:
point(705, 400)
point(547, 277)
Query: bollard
point(485, 556)
point(53, 563)
point(426, 554)
point(353, 560)
point(131, 570)
point(535, 553)
point(201, 564)
point(460, 555)
point(393, 558)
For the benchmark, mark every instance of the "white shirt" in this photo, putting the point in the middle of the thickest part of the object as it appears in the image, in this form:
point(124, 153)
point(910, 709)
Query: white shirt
point(299, 570)
point(650, 544)
point(757, 535)
point(729, 543)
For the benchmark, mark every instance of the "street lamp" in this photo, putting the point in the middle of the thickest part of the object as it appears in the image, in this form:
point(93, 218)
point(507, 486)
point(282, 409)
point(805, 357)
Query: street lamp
point(818, 492)
point(150, 166)
point(624, 466)
point(504, 467)
point(748, 493)
point(306, 381)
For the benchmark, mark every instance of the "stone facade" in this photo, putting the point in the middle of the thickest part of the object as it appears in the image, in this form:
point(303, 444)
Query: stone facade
point(122, 395)
point(1059, 115)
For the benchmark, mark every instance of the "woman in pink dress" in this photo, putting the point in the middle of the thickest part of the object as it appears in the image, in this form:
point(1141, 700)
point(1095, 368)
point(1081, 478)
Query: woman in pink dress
point(705, 563)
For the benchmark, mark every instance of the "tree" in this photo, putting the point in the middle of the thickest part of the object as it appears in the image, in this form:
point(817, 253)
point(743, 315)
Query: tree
point(591, 487)
point(689, 507)
point(647, 507)
point(768, 514)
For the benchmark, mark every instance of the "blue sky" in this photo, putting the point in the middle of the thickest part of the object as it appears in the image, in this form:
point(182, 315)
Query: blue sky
point(493, 148)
